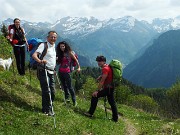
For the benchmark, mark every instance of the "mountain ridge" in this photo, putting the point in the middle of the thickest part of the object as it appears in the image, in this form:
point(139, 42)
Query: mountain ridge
point(120, 38)
point(158, 24)
point(158, 66)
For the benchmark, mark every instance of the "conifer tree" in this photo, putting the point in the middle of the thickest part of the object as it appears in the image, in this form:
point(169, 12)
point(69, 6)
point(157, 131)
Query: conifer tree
point(4, 30)
point(5, 48)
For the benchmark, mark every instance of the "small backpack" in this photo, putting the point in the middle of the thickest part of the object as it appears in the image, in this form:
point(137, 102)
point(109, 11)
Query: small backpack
point(73, 62)
point(17, 39)
point(11, 26)
point(116, 67)
point(33, 45)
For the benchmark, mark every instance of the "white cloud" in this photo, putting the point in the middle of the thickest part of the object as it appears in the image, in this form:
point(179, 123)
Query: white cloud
point(52, 10)
point(175, 3)
point(100, 3)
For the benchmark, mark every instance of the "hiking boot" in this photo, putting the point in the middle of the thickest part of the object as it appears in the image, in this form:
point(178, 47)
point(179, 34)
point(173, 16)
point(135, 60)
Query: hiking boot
point(88, 114)
point(75, 104)
point(67, 100)
point(50, 113)
point(44, 111)
point(114, 120)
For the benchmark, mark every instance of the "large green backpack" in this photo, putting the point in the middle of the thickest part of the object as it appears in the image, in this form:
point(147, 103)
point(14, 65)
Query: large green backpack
point(116, 67)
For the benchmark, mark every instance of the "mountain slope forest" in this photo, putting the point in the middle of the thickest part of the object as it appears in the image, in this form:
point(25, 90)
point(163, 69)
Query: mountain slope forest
point(159, 65)
point(117, 38)
point(141, 111)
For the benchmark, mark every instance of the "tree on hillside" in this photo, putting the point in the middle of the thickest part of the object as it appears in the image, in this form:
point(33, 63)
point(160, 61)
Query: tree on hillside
point(134, 88)
point(4, 30)
point(5, 48)
point(173, 95)
point(122, 93)
point(157, 94)
point(88, 87)
point(143, 102)
point(80, 78)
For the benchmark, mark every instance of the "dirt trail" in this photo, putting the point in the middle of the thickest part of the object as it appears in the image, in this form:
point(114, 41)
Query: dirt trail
point(130, 129)
point(129, 126)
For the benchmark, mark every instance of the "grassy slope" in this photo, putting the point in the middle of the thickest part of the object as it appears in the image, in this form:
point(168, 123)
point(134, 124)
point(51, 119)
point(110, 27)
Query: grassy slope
point(20, 113)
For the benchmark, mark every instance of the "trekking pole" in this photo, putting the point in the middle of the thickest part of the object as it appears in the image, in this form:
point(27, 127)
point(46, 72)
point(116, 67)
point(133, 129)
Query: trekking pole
point(29, 72)
point(58, 81)
point(29, 66)
point(50, 97)
point(60, 86)
point(12, 63)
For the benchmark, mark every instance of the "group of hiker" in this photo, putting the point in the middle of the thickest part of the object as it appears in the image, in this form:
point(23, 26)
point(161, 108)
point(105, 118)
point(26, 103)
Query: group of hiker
point(60, 55)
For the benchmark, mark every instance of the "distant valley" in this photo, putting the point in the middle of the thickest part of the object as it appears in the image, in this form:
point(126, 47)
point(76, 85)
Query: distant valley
point(124, 38)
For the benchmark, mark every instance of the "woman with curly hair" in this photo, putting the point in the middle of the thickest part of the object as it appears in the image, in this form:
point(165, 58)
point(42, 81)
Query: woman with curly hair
point(64, 57)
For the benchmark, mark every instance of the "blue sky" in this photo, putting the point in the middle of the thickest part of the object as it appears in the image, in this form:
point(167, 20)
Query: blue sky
point(52, 10)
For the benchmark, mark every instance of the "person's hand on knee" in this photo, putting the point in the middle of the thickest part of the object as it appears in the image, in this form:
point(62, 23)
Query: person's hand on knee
point(95, 94)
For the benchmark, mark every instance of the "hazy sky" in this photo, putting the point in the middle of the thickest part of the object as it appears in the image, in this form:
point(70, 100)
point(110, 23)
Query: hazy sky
point(52, 10)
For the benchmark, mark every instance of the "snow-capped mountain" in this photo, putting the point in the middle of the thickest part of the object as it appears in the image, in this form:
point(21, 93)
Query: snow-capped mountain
point(176, 23)
point(83, 26)
point(77, 26)
point(124, 24)
point(121, 38)
point(162, 25)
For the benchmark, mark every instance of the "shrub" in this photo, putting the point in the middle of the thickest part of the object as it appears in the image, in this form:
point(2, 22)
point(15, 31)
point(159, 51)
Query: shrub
point(143, 102)
point(173, 96)
point(121, 94)
point(88, 87)
point(6, 48)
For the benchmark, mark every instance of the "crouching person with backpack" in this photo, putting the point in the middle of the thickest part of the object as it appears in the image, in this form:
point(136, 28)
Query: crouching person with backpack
point(45, 69)
point(105, 88)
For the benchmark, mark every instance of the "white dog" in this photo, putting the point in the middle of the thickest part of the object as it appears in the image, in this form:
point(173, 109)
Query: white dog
point(6, 63)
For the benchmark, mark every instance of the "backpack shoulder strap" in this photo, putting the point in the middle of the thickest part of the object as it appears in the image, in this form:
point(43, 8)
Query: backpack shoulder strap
point(44, 51)
point(21, 30)
point(11, 26)
point(68, 57)
point(66, 54)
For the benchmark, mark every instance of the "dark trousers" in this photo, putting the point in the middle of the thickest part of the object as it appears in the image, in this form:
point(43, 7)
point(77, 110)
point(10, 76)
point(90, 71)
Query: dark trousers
point(46, 100)
point(19, 53)
point(66, 82)
point(109, 92)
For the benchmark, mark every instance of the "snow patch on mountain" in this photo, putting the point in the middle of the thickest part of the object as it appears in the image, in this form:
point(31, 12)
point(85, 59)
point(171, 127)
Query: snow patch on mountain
point(83, 26)
point(124, 24)
point(162, 25)
point(76, 25)
point(176, 23)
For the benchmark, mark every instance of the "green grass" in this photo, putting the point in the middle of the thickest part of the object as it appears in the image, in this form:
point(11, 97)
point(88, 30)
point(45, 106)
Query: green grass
point(20, 113)
point(150, 124)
